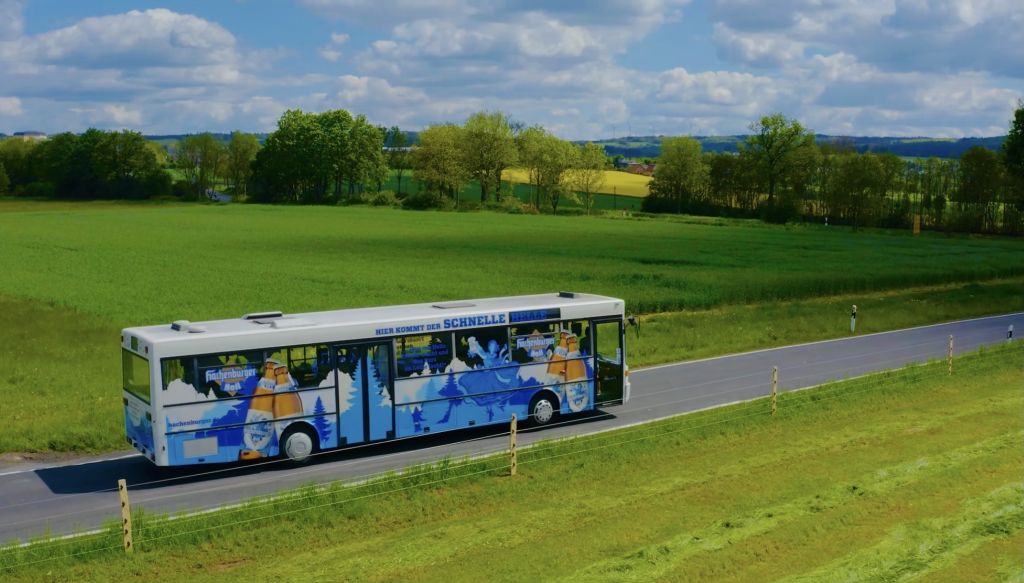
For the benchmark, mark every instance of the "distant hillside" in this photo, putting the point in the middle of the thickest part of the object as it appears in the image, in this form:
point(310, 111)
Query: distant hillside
point(168, 140)
point(650, 146)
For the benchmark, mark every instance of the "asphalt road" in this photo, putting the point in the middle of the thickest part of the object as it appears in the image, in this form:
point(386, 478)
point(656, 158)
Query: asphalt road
point(81, 495)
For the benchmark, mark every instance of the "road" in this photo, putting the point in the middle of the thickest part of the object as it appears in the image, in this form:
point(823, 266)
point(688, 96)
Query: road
point(81, 495)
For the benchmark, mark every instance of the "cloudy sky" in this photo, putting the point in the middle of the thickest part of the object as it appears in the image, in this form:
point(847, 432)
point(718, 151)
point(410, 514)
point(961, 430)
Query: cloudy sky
point(584, 70)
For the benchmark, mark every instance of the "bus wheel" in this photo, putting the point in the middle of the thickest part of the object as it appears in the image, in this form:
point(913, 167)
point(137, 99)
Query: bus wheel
point(297, 445)
point(542, 409)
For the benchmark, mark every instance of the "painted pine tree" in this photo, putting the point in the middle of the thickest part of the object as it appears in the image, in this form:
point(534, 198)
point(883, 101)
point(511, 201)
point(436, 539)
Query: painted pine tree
point(320, 420)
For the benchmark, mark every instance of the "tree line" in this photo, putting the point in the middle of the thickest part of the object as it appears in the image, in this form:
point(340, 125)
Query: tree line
point(123, 165)
point(781, 174)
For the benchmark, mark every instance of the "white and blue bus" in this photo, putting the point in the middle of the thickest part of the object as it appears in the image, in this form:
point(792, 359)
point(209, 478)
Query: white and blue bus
point(271, 384)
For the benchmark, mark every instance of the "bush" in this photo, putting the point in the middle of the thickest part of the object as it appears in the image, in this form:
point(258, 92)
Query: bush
point(182, 189)
point(427, 200)
point(780, 211)
point(37, 190)
point(383, 198)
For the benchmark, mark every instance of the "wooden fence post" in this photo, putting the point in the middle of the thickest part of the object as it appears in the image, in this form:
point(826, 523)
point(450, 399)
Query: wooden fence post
point(775, 387)
point(126, 515)
point(949, 354)
point(513, 459)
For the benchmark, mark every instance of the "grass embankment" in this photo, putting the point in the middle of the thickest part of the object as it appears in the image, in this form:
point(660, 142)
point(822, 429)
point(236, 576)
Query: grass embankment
point(74, 275)
point(911, 473)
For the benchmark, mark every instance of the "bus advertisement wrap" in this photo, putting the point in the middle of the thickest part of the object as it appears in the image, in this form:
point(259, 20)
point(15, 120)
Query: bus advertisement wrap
point(492, 384)
point(244, 408)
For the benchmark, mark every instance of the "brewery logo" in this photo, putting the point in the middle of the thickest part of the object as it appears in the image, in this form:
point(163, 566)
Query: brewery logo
point(577, 396)
point(231, 378)
point(257, 435)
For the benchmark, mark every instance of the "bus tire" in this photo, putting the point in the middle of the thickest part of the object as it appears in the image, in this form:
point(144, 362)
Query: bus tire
point(543, 408)
point(298, 443)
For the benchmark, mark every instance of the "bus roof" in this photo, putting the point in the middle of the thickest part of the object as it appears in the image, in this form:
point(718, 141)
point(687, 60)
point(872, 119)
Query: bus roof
point(351, 323)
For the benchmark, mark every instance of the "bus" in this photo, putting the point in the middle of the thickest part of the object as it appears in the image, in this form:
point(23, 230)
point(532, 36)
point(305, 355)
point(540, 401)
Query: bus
point(271, 385)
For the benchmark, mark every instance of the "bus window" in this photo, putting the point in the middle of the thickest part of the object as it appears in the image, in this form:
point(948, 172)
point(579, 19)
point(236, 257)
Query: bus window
point(580, 329)
point(423, 354)
point(482, 347)
point(135, 373)
point(532, 342)
point(179, 369)
point(230, 375)
point(308, 365)
point(609, 342)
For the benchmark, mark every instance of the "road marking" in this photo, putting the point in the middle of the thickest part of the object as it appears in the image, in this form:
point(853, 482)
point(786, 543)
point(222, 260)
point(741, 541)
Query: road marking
point(71, 465)
point(847, 338)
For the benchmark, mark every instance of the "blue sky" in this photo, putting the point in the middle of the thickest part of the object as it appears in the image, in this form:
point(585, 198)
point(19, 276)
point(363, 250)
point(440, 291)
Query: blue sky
point(584, 70)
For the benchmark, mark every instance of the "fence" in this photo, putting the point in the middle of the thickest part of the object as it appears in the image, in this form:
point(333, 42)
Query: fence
point(140, 529)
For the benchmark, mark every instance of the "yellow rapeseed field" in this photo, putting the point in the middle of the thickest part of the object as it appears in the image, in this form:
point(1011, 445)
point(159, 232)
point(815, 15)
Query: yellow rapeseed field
point(615, 181)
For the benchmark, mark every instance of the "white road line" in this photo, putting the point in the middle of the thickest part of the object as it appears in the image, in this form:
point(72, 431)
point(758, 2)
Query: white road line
point(844, 339)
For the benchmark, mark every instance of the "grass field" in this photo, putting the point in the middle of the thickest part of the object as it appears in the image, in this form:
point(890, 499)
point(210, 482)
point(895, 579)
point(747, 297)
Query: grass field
point(912, 474)
point(75, 274)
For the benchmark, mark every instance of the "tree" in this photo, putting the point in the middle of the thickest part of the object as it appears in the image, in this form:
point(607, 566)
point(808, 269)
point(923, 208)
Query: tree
point(778, 144)
point(547, 159)
point(200, 158)
point(5, 182)
point(396, 142)
point(981, 176)
point(126, 166)
point(16, 156)
point(681, 173)
point(1013, 157)
point(240, 154)
point(587, 177)
point(436, 161)
point(487, 148)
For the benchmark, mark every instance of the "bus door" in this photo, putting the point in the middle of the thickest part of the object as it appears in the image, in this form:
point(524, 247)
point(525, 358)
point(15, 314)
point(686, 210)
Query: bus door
point(609, 357)
point(366, 404)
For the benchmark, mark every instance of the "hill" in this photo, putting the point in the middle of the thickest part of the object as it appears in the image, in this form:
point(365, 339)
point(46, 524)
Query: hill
point(916, 147)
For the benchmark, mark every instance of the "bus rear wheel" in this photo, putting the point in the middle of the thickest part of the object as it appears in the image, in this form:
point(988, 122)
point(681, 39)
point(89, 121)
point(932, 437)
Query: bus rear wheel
point(543, 409)
point(298, 445)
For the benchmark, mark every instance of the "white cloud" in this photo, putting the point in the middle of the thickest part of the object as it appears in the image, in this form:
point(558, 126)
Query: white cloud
point(10, 106)
point(330, 54)
point(757, 49)
point(11, 19)
point(150, 38)
point(122, 115)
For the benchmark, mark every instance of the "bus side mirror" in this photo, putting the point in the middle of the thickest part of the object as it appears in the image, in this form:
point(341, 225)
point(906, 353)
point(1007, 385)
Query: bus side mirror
point(635, 323)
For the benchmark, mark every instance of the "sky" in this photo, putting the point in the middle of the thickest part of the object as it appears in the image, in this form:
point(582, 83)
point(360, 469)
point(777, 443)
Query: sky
point(582, 69)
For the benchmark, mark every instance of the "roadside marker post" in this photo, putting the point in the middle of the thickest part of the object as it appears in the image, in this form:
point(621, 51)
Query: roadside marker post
point(126, 515)
point(513, 458)
point(949, 354)
point(775, 388)
point(853, 318)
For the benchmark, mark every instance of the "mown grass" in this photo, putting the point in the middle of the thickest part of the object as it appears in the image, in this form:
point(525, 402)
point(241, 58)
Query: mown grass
point(907, 474)
point(75, 274)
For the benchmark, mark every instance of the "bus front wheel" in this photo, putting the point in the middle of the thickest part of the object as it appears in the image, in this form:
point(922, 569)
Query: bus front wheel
point(543, 409)
point(298, 445)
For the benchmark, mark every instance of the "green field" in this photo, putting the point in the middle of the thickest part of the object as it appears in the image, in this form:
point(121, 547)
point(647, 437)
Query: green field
point(75, 274)
point(908, 475)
